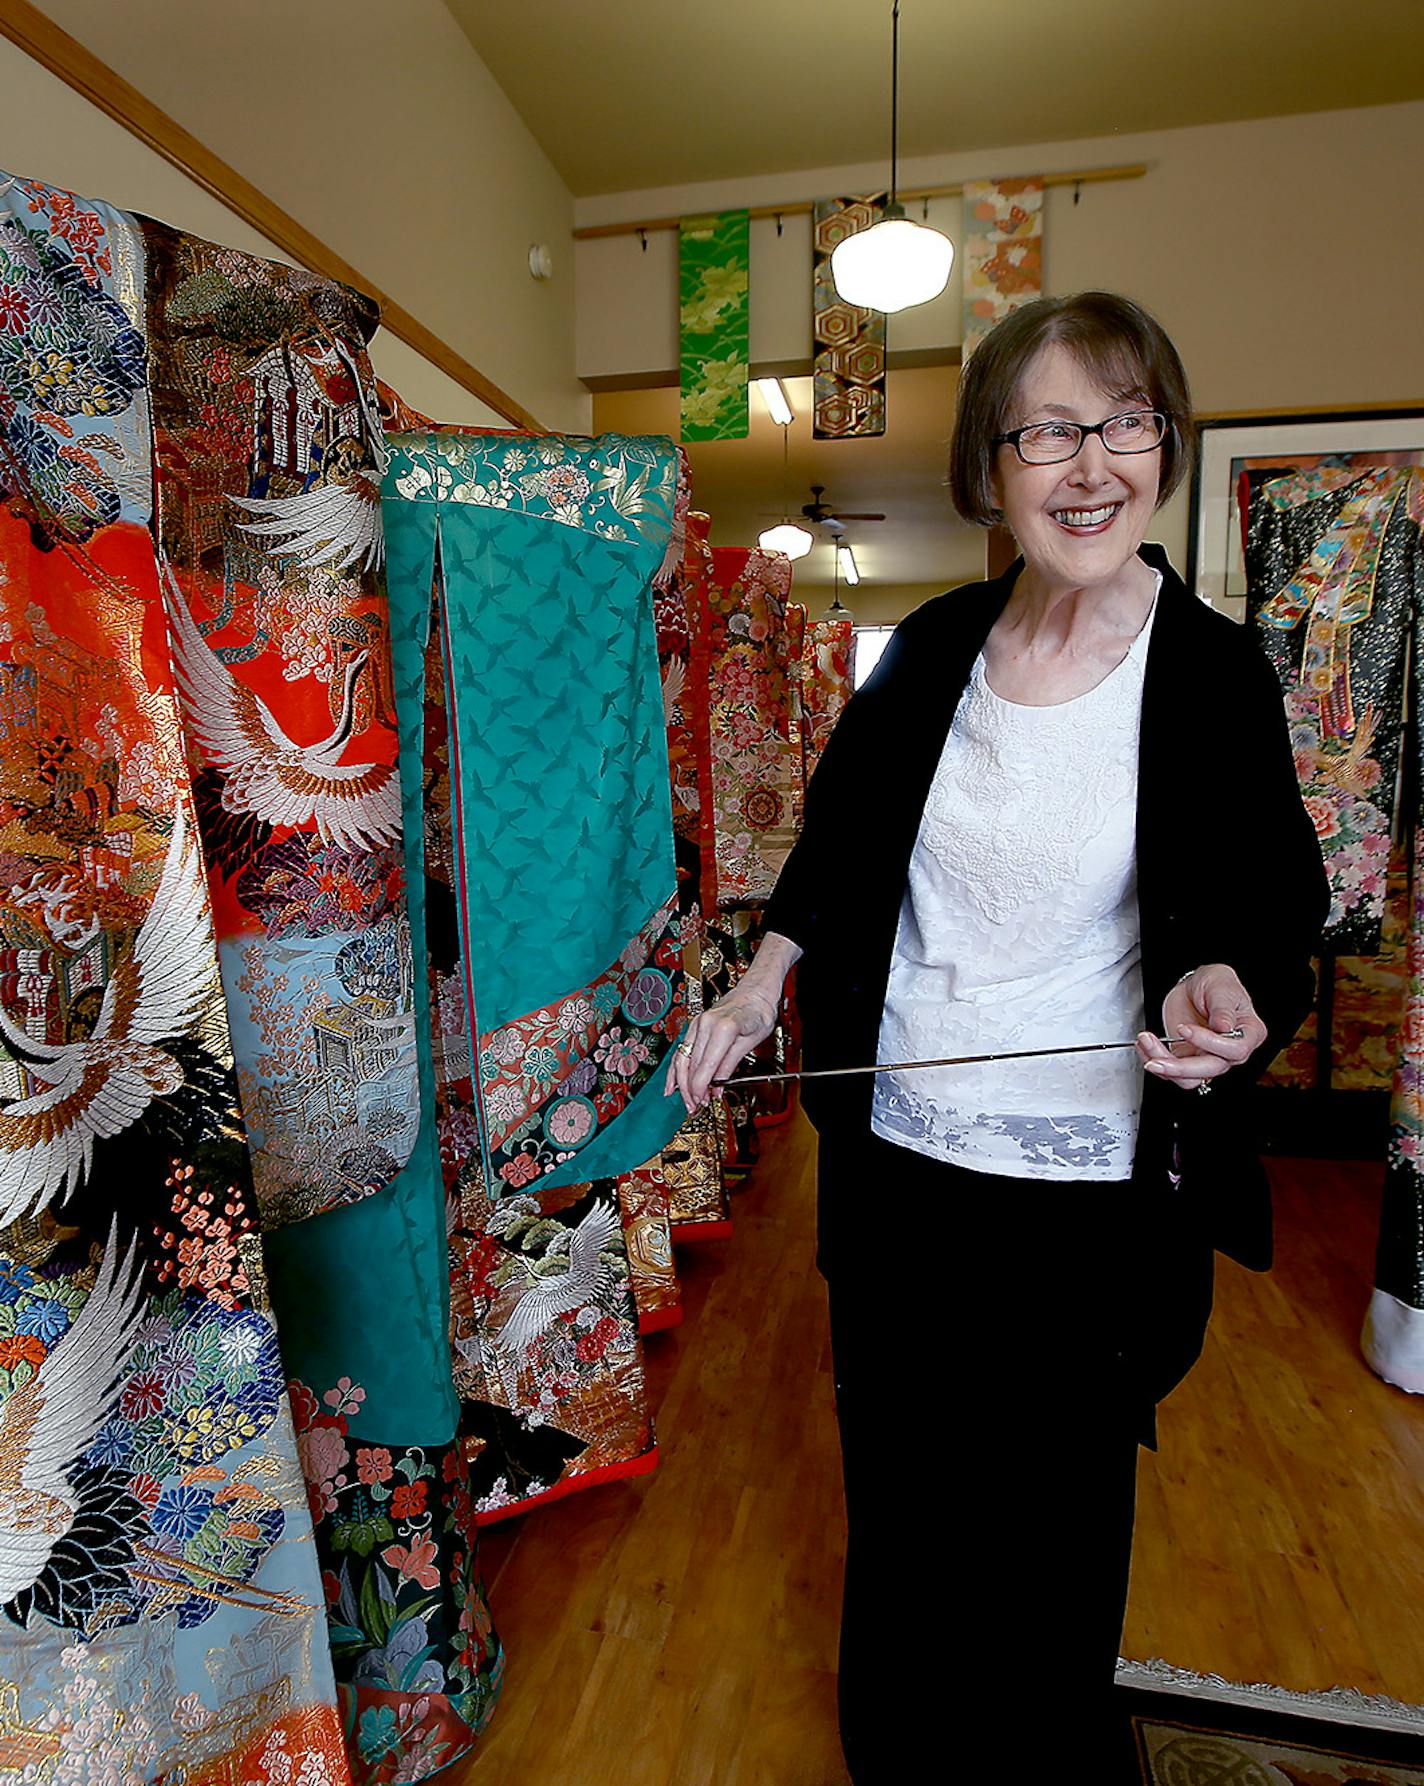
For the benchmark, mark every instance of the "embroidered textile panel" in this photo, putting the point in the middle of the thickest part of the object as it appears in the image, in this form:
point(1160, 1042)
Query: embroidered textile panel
point(849, 382)
point(729, 945)
point(1399, 1265)
point(559, 783)
point(715, 313)
point(683, 625)
point(1003, 252)
point(827, 683)
point(752, 766)
point(1368, 1007)
point(365, 1300)
point(1335, 570)
point(546, 1409)
point(643, 1206)
point(796, 621)
point(692, 1169)
point(269, 456)
point(162, 1610)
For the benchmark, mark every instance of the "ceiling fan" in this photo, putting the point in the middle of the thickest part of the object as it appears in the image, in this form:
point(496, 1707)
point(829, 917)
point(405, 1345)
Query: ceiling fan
point(820, 513)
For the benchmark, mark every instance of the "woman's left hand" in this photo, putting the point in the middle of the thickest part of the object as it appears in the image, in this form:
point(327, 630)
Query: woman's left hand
point(1205, 1010)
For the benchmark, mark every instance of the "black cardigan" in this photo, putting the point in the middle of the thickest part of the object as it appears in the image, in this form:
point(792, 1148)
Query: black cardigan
point(1228, 869)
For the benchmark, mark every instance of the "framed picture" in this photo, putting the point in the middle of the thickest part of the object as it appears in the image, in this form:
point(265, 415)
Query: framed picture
point(1232, 446)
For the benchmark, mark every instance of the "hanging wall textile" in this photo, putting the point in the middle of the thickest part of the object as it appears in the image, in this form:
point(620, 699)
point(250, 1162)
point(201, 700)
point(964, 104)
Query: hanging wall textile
point(849, 385)
point(1003, 252)
point(268, 520)
point(752, 768)
point(1335, 566)
point(1367, 1008)
point(643, 1204)
point(715, 348)
point(1331, 562)
point(827, 683)
point(269, 460)
point(796, 623)
point(365, 1294)
point(163, 1615)
point(566, 886)
point(543, 1324)
point(683, 625)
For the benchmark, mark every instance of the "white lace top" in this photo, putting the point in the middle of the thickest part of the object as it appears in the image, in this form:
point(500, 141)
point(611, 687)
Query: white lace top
point(1019, 930)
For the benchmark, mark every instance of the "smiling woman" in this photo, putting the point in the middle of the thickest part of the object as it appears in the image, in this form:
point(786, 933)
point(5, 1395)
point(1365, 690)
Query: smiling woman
point(1001, 852)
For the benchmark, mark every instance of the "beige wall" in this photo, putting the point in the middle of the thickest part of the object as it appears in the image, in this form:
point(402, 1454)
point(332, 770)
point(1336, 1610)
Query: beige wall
point(1285, 256)
point(376, 126)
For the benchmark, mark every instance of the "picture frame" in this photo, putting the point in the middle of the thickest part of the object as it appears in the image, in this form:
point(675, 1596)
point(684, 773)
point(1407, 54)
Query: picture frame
point(1232, 444)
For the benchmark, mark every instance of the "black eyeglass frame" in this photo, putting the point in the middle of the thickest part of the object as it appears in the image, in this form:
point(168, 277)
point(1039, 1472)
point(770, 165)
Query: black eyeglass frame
point(1084, 430)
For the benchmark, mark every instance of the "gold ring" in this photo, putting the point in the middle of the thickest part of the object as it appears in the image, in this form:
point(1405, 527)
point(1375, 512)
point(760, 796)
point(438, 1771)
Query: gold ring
point(684, 1048)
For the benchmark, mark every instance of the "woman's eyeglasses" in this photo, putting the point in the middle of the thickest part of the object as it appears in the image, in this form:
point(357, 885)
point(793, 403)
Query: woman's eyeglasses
point(1050, 443)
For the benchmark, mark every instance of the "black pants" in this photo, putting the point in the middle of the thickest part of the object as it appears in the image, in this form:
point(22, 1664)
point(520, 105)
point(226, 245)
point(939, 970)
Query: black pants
point(999, 1345)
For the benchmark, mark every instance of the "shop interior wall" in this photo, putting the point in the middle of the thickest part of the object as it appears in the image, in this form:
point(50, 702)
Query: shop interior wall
point(377, 127)
point(1285, 256)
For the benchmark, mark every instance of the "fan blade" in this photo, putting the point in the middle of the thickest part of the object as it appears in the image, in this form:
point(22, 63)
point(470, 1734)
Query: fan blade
point(847, 515)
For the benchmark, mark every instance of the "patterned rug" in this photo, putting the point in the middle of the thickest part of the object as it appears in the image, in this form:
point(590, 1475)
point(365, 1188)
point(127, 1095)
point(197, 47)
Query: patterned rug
point(1195, 1730)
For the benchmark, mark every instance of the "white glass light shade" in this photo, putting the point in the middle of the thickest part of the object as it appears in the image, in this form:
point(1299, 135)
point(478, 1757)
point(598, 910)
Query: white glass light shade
point(795, 542)
point(893, 265)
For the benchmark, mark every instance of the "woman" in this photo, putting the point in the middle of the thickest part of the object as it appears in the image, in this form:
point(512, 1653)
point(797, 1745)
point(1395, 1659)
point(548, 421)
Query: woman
point(1061, 808)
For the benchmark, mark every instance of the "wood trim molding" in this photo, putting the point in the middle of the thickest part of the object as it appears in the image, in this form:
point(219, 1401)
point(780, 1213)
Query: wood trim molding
point(1088, 176)
point(1324, 413)
point(39, 36)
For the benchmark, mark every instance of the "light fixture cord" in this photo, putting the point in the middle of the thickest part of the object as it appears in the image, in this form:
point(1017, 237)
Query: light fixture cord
point(894, 97)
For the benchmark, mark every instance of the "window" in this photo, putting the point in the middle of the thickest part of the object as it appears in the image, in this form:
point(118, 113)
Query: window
point(870, 641)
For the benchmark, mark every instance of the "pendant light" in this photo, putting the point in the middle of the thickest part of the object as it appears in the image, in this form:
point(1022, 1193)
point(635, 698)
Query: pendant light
point(786, 536)
point(896, 263)
point(837, 610)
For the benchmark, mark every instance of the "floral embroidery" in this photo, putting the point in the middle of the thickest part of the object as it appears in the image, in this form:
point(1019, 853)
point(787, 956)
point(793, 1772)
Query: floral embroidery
point(753, 773)
point(632, 491)
point(592, 1068)
point(393, 1534)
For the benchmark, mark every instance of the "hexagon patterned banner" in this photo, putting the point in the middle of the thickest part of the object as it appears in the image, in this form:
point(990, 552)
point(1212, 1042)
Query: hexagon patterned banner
point(850, 342)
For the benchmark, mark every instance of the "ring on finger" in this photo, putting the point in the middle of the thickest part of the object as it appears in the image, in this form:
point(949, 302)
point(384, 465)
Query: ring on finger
point(684, 1048)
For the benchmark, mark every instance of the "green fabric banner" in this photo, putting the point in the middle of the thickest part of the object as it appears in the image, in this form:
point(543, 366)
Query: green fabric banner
point(716, 328)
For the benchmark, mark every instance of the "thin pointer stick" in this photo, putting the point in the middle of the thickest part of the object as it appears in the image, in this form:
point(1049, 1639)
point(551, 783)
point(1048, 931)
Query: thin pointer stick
point(957, 1060)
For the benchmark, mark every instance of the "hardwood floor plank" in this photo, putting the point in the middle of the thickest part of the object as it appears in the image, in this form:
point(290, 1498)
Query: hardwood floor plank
point(681, 1629)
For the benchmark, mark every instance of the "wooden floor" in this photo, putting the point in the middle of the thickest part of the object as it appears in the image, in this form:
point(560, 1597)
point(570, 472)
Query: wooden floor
point(1281, 1524)
point(680, 1630)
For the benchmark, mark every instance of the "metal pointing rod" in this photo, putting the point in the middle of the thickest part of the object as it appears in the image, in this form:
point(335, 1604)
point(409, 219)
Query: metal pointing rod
point(955, 1060)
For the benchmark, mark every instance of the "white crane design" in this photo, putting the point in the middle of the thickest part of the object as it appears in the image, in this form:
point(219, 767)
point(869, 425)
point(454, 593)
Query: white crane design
point(101, 1085)
point(355, 805)
point(540, 1306)
point(50, 1421)
point(337, 523)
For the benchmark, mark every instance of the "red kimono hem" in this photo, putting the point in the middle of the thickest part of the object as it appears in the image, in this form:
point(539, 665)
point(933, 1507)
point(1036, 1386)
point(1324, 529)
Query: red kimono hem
point(691, 1233)
point(655, 1320)
point(634, 1466)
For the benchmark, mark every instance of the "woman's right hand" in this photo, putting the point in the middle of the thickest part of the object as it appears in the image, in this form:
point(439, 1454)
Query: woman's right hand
point(716, 1040)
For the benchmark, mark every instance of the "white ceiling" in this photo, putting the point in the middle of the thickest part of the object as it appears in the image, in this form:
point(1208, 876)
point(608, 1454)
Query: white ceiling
point(643, 93)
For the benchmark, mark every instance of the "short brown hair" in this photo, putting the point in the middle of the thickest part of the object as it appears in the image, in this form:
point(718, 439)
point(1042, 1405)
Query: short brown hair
point(1126, 351)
